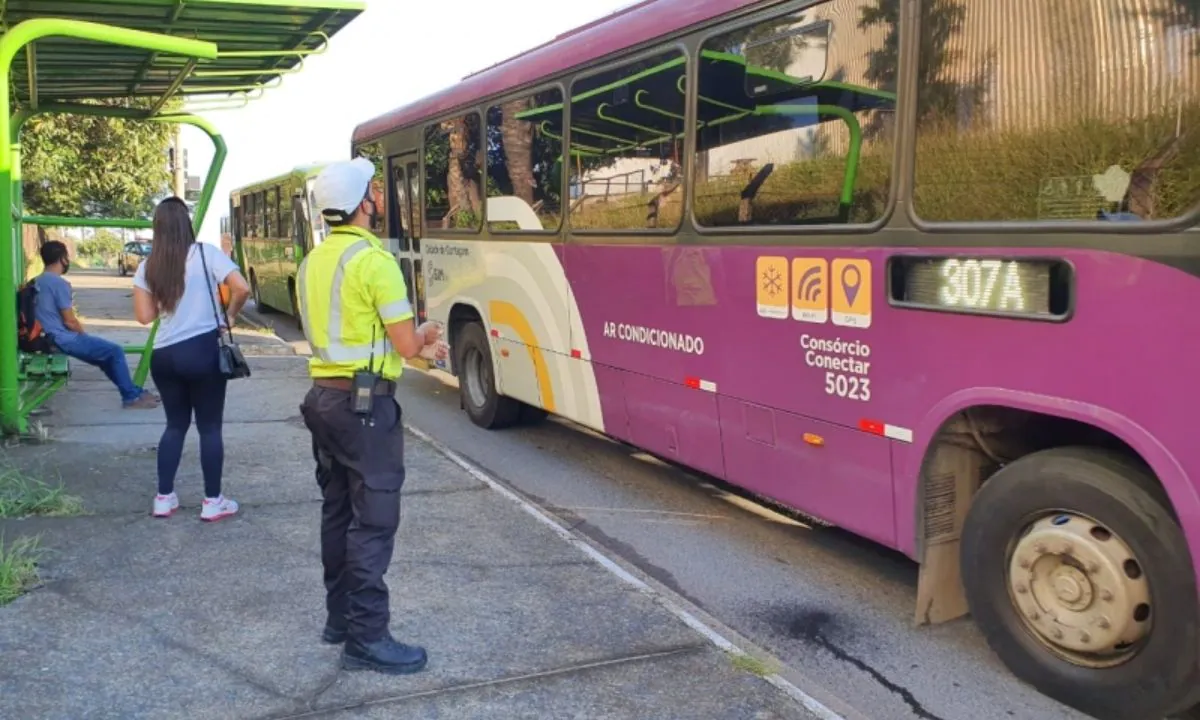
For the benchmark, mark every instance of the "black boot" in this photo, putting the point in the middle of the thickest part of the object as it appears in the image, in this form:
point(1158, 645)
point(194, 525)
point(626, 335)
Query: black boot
point(384, 655)
point(333, 633)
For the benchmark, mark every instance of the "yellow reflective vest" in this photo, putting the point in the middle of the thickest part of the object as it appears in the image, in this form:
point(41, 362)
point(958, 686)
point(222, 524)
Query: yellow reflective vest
point(348, 288)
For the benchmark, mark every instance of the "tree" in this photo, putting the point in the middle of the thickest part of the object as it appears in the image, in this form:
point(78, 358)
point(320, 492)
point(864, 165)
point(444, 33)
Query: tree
point(940, 21)
point(79, 165)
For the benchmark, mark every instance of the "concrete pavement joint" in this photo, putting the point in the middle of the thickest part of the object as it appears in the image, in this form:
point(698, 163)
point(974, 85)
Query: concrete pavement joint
point(168, 641)
point(806, 700)
point(481, 684)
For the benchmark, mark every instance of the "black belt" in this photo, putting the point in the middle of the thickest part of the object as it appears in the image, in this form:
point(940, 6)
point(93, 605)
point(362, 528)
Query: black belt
point(382, 387)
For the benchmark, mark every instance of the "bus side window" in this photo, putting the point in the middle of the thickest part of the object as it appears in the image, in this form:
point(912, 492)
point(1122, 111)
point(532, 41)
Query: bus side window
point(626, 146)
point(794, 126)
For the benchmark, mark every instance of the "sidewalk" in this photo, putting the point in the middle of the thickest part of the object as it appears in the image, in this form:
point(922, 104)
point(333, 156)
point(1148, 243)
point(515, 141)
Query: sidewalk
point(145, 618)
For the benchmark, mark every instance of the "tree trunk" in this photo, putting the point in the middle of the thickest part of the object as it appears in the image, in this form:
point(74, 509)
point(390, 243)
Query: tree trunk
point(518, 149)
point(455, 183)
point(463, 190)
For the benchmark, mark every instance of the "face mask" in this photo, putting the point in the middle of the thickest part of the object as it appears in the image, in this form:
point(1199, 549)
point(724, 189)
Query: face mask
point(66, 266)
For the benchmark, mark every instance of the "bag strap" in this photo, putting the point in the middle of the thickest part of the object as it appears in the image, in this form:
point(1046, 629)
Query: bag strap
point(212, 296)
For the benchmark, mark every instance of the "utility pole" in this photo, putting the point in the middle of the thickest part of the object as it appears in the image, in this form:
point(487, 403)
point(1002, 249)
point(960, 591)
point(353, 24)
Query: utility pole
point(180, 180)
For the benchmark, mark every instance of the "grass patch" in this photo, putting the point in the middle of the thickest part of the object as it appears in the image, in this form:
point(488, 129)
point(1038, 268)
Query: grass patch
point(18, 568)
point(23, 496)
point(752, 665)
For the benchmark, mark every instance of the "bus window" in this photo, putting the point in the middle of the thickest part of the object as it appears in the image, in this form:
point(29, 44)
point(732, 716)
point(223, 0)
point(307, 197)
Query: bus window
point(400, 186)
point(271, 216)
point(626, 142)
point(1074, 111)
point(373, 151)
point(454, 173)
point(795, 120)
point(414, 192)
point(524, 152)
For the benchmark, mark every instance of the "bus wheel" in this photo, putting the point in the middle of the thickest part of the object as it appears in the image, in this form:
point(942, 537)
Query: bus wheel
point(295, 306)
point(1080, 579)
point(486, 407)
point(258, 303)
point(532, 415)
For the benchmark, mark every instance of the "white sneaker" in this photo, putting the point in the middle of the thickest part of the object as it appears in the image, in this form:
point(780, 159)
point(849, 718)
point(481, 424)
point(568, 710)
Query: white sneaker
point(165, 505)
point(216, 508)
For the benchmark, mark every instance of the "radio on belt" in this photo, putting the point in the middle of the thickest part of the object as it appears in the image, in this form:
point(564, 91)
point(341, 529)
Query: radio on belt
point(362, 394)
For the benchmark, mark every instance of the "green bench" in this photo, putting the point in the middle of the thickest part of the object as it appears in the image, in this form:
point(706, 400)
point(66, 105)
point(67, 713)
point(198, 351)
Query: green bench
point(40, 376)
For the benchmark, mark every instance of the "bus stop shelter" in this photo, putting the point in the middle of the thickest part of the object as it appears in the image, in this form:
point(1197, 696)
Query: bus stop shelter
point(95, 57)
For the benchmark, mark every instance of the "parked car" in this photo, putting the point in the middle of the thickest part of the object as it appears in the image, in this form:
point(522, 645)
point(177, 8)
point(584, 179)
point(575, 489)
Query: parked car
point(131, 256)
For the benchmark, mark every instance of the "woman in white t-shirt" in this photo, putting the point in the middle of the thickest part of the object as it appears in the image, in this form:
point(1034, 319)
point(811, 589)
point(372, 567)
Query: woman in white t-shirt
point(171, 285)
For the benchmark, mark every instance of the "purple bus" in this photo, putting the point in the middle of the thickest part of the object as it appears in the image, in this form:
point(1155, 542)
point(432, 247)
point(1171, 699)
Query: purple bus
point(918, 269)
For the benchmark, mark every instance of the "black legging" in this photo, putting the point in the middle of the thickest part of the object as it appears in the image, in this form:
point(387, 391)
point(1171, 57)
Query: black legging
point(188, 379)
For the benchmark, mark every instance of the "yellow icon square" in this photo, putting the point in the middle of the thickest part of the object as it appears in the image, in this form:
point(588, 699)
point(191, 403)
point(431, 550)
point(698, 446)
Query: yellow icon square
point(851, 297)
point(771, 281)
point(810, 290)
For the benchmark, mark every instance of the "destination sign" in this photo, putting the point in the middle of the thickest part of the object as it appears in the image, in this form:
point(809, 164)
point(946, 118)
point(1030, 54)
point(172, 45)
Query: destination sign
point(1021, 287)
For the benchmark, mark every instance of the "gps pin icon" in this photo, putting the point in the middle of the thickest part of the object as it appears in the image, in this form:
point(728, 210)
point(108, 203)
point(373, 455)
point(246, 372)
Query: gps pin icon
point(851, 279)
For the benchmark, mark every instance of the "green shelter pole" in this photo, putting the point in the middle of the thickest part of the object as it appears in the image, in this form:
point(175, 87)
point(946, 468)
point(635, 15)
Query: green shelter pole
point(11, 43)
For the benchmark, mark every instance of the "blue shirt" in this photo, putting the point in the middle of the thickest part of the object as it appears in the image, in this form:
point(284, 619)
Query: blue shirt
point(54, 296)
point(194, 314)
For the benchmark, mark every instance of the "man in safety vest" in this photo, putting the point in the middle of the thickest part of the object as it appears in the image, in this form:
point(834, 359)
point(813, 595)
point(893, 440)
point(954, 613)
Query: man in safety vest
point(358, 319)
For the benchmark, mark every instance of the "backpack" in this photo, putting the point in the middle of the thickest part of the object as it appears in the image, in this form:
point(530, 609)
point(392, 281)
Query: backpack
point(30, 337)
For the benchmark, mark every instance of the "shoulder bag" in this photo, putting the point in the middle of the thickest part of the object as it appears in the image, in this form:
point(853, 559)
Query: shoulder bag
point(232, 363)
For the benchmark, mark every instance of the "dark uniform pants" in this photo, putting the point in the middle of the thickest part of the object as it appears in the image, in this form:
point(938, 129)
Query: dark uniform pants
point(360, 469)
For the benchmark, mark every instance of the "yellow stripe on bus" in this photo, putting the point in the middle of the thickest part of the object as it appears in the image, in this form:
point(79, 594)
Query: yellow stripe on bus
point(505, 313)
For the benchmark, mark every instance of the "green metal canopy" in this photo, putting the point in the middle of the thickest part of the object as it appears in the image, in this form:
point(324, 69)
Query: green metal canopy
point(257, 41)
point(62, 56)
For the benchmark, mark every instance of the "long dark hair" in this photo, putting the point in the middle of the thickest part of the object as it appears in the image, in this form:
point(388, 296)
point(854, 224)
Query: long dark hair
point(173, 238)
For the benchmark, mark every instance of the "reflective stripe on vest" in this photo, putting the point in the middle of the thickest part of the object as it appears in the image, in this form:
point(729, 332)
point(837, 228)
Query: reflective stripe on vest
point(336, 351)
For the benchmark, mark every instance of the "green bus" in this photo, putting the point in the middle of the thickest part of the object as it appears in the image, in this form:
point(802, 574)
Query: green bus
point(272, 230)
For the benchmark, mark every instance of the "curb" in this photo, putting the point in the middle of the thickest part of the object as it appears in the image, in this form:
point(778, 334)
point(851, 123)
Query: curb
point(816, 699)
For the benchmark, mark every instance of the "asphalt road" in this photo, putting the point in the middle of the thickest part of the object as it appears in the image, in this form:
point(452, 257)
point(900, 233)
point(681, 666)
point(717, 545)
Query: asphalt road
point(835, 608)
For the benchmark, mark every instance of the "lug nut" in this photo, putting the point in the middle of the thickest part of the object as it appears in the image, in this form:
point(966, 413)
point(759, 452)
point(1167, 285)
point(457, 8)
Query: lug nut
point(1093, 567)
point(1103, 623)
point(1024, 564)
point(1022, 589)
point(1106, 595)
point(1033, 615)
point(1057, 634)
point(1039, 548)
point(1068, 548)
point(1084, 637)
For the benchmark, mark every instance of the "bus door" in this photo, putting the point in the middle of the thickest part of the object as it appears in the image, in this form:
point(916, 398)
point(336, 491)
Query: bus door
point(302, 234)
point(317, 229)
point(404, 173)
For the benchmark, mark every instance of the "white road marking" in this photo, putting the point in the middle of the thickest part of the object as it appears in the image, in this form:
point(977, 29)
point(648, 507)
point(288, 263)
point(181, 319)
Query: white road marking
point(808, 701)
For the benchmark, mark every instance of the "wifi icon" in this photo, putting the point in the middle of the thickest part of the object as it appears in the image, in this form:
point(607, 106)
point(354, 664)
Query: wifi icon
point(811, 285)
point(810, 280)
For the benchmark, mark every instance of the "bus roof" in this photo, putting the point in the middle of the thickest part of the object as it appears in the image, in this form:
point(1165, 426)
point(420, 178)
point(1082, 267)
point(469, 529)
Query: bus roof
point(305, 171)
point(619, 31)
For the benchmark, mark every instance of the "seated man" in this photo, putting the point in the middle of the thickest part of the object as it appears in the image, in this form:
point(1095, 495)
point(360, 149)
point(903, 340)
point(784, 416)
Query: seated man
point(56, 313)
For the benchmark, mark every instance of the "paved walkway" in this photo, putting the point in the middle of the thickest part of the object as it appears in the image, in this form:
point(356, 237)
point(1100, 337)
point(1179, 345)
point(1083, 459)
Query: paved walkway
point(145, 618)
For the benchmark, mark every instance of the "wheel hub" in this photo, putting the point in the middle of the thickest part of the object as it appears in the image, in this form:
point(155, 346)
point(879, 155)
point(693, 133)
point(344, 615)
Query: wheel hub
point(1080, 590)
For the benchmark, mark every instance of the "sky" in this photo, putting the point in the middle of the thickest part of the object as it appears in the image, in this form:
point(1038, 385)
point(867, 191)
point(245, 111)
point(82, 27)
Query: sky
point(395, 52)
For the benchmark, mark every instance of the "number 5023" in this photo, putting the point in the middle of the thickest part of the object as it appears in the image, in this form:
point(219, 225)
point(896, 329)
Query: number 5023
point(854, 388)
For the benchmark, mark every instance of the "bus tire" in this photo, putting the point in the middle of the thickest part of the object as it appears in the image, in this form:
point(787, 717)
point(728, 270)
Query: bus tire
point(532, 415)
point(259, 305)
point(1110, 623)
point(486, 407)
point(295, 306)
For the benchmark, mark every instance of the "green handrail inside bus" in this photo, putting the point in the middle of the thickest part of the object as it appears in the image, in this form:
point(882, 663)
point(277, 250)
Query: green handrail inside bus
point(852, 155)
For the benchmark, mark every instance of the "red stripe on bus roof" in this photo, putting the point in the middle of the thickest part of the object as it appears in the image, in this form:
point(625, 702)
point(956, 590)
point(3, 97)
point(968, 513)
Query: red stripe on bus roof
point(619, 31)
